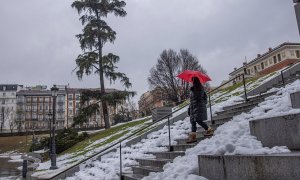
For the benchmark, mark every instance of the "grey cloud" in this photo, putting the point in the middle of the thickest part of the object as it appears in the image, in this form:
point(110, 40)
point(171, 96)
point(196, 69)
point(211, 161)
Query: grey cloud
point(38, 44)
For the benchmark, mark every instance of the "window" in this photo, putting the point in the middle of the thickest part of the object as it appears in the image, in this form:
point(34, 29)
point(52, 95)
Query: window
point(262, 66)
point(34, 99)
point(28, 108)
point(41, 99)
point(279, 57)
point(34, 116)
point(298, 54)
point(70, 112)
point(4, 88)
point(70, 104)
point(3, 101)
point(28, 100)
point(251, 70)
point(255, 69)
point(248, 71)
point(46, 107)
point(41, 107)
point(266, 63)
point(70, 96)
point(274, 59)
point(13, 94)
point(77, 96)
point(4, 94)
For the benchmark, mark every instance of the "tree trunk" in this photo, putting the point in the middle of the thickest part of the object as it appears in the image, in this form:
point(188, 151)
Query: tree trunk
point(104, 104)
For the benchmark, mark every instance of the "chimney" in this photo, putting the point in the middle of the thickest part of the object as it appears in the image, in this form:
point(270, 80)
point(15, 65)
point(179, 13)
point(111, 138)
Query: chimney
point(244, 63)
point(258, 55)
point(235, 68)
point(270, 49)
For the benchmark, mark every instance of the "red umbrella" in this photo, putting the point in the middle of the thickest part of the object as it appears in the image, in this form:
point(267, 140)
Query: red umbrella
point(187, 75)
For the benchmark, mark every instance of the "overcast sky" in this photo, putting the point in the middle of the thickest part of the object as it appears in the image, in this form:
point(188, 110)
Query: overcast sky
point(38, 44)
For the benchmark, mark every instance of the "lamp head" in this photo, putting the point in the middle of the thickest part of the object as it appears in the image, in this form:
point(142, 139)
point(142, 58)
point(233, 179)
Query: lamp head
point(54, 91)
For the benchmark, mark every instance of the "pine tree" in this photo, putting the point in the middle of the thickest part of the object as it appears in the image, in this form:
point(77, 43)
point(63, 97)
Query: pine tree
point(96, 33)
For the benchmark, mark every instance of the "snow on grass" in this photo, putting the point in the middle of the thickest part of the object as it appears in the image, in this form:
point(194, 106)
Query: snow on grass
point(91, 146)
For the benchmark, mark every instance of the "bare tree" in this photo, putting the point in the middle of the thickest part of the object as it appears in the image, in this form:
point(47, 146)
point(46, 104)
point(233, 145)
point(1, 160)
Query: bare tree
point(169, 65)
point(7, 118)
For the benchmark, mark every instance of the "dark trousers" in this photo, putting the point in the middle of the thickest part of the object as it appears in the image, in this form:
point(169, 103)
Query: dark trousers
point(201, 123)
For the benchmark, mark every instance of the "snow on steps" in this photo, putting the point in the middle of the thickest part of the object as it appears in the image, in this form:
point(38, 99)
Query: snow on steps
point(146, 166)
point(274, 131)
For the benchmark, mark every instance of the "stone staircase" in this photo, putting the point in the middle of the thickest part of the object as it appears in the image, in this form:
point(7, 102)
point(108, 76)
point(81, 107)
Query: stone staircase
point(146, 166)
point(275, 131)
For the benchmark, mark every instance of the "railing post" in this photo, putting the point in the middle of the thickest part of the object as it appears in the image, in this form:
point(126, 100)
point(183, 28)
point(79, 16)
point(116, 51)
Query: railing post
point(245, 90)
point(283, 83)
point(24, 169)
point(211, 116)
point(171, 149)
point(121, 175)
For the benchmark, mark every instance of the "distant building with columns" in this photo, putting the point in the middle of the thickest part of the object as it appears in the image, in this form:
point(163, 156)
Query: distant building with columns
point(274, 59)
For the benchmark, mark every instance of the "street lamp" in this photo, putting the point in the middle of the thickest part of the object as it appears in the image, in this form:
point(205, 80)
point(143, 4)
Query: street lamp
point(54, 91)
point(50, 137)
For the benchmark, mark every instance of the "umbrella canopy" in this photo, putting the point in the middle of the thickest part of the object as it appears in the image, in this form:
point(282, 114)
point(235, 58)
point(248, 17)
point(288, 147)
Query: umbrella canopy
point(187, 75)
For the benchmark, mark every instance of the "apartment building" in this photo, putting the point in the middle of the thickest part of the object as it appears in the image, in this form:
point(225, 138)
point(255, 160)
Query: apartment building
point(73, 106)
point(274, 59)
point(8, 98)
point(34, 109)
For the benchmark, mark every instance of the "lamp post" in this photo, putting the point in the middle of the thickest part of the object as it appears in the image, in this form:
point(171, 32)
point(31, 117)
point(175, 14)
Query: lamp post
point(54, 91)
point(297, 11)
point(50, 119)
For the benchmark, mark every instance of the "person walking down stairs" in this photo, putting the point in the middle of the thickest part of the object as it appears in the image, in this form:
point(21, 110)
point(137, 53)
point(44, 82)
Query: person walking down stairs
point(197, 110)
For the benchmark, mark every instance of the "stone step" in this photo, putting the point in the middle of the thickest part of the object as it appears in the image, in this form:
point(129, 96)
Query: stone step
point(239, 109)
point(278, 131)
point(182, 147)
point(167, 155)
point(220, 120)
point(252, 101)
point(145, 170)
point(183, 141)
point(250, 167)
point(234, 113)
point(133, 177)
point(153, 162)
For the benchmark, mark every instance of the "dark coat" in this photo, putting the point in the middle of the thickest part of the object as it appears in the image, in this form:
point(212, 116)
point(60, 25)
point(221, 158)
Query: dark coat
point(197, 109)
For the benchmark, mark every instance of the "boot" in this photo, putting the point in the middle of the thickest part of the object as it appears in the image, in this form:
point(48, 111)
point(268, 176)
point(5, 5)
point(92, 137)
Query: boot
point(192, 138)
point(209, 132)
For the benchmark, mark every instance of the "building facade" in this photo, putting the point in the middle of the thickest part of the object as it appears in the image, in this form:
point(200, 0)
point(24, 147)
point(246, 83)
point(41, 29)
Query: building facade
point(8, 99)
point(34, 109)
point(73, 105)
point(275, 59)
point(150, 100)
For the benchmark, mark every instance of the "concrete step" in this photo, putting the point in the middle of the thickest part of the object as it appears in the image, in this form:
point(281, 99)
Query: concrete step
point(278, 131)
point(182, 147)
point(234, 112)
point(239, 109)
point(145, 170)
point(252, 101)
point(250, 167)
point(153, 162)
point(183, 141)
point(133, 176)
point(167, 155)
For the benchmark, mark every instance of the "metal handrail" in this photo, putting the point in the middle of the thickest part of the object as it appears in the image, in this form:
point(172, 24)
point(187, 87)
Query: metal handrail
point(119, 142)
point(171, 148)
point(209, 94)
